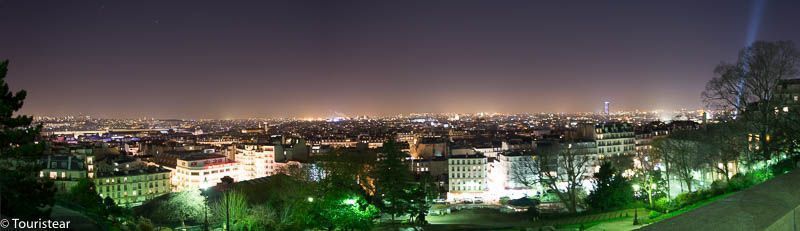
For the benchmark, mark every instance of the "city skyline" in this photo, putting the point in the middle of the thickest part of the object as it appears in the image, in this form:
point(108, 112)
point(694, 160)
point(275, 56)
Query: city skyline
point(663, 115)
point(311, 58)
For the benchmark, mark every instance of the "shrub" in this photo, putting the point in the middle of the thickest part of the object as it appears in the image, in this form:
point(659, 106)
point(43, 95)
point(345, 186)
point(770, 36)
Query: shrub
point(654, 214)
point(783, 166)
point(761, 175)
point(664, 204)
point(719, 187)
point(524, 201)
point(740, 181)
point(684, 199)
point(504, 200)
point(144, 224)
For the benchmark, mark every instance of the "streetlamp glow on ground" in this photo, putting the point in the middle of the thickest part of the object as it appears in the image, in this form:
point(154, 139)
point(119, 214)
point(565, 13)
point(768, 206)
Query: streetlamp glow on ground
point(350, 201)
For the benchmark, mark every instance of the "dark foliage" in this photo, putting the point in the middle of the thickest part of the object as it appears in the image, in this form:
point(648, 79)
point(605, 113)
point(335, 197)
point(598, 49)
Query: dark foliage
point(612, 191)
point(22, 193)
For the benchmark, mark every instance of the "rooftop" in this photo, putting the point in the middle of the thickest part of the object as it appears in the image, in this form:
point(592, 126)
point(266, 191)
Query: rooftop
point(471, 156)
point(141, 171)
point(200, 156)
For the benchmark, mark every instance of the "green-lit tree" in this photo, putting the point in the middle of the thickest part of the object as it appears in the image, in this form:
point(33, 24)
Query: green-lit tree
point(22, 193)
point(183, 206)
point(612, 190)
point(649, 175)
point(345, 182)
point(392, 177)
point(238, 209)
point(345, 211)
point(281, 203)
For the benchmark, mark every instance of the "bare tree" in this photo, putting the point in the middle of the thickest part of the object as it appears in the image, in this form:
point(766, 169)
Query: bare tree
point(565, 165)
point(727, 141)
point(525, 171)
point(681, 157)
point(749, 86)
point(295, 170)
point(648, 174)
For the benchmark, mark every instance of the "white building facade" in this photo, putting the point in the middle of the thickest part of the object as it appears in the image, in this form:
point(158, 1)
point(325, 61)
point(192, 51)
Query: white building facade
point(467, 178)
point(256, 161)
point(203, 171)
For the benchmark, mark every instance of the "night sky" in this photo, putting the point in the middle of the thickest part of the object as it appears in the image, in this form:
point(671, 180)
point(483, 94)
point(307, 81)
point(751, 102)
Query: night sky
point(240, 59)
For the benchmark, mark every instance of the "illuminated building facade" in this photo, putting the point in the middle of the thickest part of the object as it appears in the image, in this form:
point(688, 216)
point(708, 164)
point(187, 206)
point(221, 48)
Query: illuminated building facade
point(612, 139)
point(256, 161)
point(134, 187)
point(467, 177)
point(203, 170)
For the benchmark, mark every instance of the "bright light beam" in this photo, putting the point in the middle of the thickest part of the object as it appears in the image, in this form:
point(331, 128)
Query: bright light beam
point(752, 33)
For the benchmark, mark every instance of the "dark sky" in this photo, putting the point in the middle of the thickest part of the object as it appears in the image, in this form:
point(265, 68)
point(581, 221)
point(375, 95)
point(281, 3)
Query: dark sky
point(238, 59)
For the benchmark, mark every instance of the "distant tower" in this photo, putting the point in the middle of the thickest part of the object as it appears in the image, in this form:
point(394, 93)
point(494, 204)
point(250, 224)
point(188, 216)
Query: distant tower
point(705, 118)
point(605, 107)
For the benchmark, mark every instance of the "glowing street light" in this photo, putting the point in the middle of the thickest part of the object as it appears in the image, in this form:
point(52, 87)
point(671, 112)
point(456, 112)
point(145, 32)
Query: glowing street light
point(310, 199)
point(350, 201)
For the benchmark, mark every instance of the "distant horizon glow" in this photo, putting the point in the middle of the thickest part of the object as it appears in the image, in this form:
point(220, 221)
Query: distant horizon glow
point(311, 58)
point(419, 117)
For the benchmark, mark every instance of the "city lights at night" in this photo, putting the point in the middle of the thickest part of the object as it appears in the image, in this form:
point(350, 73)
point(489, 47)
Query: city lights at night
point(399, 115)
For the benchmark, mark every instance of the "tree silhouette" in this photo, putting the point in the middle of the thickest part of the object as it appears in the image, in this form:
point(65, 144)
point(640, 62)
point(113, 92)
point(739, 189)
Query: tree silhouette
point(22, 193)
point(612, 191)
point(749, 87)
point(560, 168)
point(392, 179)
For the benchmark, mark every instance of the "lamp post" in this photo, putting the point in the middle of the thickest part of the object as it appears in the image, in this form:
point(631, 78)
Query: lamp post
point(205, 205)
point(635, 209)
point(226, 183)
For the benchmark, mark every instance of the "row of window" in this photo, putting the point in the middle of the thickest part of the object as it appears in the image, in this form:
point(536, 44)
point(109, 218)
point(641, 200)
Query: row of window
point(467, 175)
point(616, 142)
point(614, 149)
point(466, 168)
point(468, 161)
point(111, 180)
point(194, 173)
point(466, 188)
point(109, 188)
point(122, 197)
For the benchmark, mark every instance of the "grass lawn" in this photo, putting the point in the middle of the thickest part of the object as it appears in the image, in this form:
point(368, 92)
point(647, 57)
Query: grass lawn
point(617, 218)
point(491, 219)
point(481, 217)
point(688, 208)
